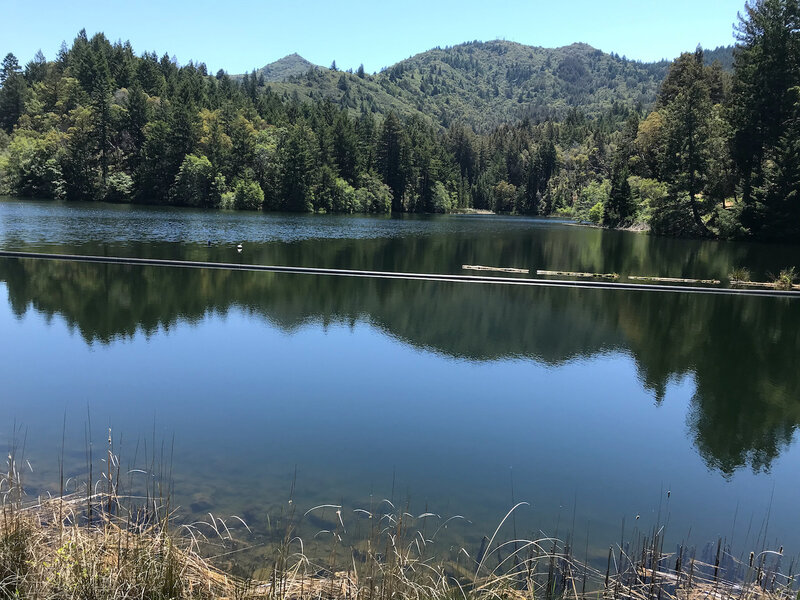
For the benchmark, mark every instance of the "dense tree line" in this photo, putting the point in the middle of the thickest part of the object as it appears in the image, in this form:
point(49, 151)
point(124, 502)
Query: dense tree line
point(99, 123)
point(717, 154)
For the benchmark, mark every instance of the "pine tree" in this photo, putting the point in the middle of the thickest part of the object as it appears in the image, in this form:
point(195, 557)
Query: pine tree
point(36, 69)
point(345, 147)
point(12, 93)
point(767, 68)
point(391, 152)
point(686, 101)
point(297, 155)
point(618, 208)
point(137, 118)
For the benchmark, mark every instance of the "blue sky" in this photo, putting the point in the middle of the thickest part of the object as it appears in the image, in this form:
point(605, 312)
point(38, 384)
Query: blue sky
point(240, 35)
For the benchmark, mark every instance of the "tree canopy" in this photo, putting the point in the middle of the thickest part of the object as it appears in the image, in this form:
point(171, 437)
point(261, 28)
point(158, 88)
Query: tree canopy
point(684, 148)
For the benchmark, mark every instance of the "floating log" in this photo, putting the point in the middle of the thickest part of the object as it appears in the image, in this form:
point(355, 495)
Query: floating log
point(497, 269)
point(578, 274)
point(759, 284)
point(674, 279)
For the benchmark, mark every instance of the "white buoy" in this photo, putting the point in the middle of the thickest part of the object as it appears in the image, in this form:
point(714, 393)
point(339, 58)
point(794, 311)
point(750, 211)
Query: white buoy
point(239, 248)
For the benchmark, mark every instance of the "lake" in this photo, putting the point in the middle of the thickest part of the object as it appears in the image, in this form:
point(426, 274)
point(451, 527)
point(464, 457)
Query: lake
point(593, 406)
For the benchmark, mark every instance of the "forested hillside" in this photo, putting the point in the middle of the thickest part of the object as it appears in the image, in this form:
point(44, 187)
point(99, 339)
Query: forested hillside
point(487, 84)
point(682, 148)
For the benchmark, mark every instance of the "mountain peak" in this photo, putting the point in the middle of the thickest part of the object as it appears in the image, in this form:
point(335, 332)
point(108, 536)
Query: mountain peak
point(282, 69)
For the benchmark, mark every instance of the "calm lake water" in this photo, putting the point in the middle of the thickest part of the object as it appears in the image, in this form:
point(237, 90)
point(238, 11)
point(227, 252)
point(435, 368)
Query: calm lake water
point(459, 399)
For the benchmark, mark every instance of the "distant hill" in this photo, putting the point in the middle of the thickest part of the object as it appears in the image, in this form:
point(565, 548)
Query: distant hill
point(496, 82)
point(484, 84)
point(722, 54)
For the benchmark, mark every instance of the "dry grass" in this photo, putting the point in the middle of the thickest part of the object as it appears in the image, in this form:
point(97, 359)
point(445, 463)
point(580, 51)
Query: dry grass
point(50, 550)
point(96, 545)
point(103, 545)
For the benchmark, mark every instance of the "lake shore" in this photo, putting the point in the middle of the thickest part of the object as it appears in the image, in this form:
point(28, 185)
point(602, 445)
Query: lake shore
point(103, 545)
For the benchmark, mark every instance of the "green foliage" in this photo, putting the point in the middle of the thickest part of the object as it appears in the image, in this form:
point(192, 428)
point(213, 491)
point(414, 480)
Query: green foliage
point(30, 166)
point(739, 274)
point(344, 197)
point(646, 194)
point(393, 155)
point(196, 183)
point(766, 119)
point(596, 213)
point(785, 280)
point(486, 84)
point(503, 196)
point(685, 99)
point(335, 194)
point(247, 195)
point(618, 209)
point(5, 189)
point(298, 156)
point(597, 192)
point(227, 200)
point(672, 215)
point(13, 92)
point(443, 201)
point(728, 222)
point(119, 188)
point(373, 196)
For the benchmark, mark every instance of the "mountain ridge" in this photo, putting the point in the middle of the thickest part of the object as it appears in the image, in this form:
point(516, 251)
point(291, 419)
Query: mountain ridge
point(485, 84)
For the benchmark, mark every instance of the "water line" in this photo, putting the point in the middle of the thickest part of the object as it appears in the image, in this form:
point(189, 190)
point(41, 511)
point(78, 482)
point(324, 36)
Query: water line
point(443, 277)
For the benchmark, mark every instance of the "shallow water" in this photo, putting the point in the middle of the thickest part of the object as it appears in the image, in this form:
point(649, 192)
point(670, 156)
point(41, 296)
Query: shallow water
point(460, 399)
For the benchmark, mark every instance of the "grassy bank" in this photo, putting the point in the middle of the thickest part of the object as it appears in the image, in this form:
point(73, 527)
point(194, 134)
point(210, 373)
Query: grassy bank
point(98, 543)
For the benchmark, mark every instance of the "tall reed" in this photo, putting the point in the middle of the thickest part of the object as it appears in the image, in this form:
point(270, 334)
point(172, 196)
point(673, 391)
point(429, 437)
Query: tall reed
point(106, 540)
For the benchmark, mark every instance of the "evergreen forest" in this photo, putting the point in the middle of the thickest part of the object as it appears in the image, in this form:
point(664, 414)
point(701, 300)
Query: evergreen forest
point(705, 145)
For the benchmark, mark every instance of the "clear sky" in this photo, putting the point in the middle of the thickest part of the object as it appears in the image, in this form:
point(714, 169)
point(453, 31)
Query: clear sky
point(239, 35)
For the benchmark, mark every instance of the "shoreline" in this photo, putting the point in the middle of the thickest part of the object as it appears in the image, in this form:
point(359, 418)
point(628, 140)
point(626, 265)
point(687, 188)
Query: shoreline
point(107, 544)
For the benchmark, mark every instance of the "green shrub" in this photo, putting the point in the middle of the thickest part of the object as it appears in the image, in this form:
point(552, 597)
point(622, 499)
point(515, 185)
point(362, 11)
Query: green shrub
point(343, 197)
point(335, 194)
point(646, 194)
point(373, 196)
point(442, 201)
point(227, 200)
point(738, 275)
point(248, 195)
point(196, 183)
point(503, 197)
point(594, 193)
point(30, 166)
point(119, 188)
point(728, 222)
point(565, 212)
point(672, 215)
point(785, 281)
point(596, 213)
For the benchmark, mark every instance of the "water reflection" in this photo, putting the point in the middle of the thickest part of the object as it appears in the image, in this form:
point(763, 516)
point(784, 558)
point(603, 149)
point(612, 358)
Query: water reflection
point(741, 352)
